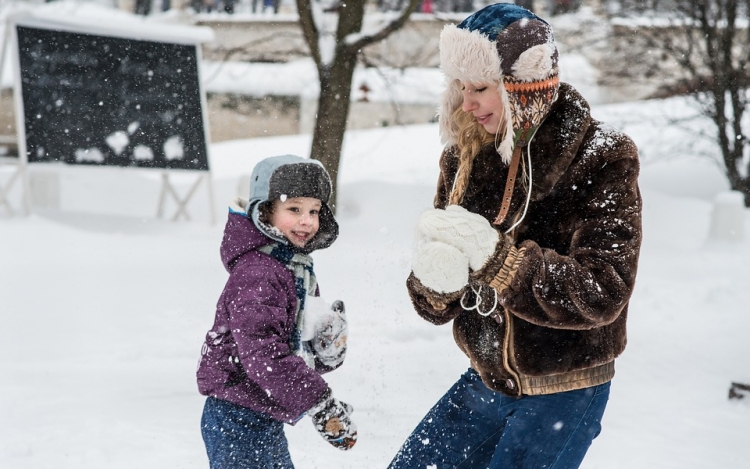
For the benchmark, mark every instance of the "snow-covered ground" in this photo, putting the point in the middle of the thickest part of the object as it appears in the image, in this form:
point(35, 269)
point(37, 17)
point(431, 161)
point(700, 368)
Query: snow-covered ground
point(103, 309)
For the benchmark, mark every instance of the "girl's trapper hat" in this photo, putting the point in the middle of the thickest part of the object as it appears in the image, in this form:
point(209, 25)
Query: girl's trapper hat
point(507, 44)
point(289, 176)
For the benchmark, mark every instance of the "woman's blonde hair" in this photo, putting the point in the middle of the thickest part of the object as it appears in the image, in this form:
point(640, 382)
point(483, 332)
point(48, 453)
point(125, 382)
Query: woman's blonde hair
point(471, 138)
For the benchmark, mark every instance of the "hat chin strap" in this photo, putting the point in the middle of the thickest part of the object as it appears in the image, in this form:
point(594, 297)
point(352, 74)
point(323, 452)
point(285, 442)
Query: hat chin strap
point(510, 184)
point(511, 180)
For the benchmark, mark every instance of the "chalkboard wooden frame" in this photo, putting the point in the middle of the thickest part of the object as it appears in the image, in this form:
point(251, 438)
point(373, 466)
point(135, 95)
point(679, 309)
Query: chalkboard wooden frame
point(105, 100)
point(99, 96)
point(18, 174)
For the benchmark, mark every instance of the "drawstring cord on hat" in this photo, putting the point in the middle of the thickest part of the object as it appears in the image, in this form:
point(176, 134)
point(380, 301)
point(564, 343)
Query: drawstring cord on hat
point(528, 188)
point(478, 291)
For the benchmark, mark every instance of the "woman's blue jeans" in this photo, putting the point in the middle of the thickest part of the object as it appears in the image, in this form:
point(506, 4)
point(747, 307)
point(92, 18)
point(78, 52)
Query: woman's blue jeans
point(473, 427)
point(239, 438)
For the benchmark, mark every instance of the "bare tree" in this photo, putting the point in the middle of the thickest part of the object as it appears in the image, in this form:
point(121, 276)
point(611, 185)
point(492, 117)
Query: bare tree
point(708, 43)
point(716, 55)
point(336, 38)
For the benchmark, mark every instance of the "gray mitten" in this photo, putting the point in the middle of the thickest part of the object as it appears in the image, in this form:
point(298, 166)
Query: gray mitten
point(326, 329)
point(331, 334)
point(332, 419)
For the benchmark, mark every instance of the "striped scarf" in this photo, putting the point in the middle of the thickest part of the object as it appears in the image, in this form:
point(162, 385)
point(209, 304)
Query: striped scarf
point(305, 284)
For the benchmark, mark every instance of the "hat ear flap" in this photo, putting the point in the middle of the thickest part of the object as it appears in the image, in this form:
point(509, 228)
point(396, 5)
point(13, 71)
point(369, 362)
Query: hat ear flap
point(534, 64)
point(469, 56)
point(452, 99)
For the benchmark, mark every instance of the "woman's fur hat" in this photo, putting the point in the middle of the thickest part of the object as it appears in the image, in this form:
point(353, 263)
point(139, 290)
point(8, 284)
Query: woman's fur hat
point(501, 43)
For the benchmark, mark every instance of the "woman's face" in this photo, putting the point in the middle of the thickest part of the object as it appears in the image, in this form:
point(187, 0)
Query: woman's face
point(484, 102)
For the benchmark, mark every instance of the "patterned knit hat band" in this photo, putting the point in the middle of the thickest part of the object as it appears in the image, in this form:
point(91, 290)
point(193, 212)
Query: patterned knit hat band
point(530, 103)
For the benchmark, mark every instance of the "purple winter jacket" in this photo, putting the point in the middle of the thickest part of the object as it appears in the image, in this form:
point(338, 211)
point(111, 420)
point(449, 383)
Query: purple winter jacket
point(246, 358)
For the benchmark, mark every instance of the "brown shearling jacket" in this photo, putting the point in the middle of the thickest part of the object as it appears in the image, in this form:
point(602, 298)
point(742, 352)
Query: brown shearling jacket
point(561, 321)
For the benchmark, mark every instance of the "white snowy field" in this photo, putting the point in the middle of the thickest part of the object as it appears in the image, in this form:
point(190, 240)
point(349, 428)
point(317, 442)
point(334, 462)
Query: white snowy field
point(103, 309)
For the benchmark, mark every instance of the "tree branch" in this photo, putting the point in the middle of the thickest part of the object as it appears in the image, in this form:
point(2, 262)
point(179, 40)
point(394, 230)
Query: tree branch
point(309, 29)
point(387, 30)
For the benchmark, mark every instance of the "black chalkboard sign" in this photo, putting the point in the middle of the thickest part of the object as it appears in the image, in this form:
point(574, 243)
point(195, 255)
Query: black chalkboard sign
point(110, 101)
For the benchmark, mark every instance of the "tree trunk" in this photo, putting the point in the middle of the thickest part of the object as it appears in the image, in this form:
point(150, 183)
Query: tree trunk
point(335, 78)
point(333, 111)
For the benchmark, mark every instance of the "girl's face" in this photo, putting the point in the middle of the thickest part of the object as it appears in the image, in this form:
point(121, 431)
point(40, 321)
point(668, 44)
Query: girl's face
point(297, 218)
point(484, 102)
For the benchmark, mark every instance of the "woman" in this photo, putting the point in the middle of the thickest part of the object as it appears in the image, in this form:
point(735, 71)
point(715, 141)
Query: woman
point(532, 251)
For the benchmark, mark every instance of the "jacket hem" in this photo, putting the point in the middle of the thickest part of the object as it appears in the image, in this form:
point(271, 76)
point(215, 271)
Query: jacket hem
point(571, 381)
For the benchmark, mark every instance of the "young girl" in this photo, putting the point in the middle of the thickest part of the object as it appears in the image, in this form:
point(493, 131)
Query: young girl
point(531, 250)
point(273, 337)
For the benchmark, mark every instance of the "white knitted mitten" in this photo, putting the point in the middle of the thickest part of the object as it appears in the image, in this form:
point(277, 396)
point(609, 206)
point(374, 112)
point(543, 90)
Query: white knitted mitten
point(441, 267)
point(467, 231)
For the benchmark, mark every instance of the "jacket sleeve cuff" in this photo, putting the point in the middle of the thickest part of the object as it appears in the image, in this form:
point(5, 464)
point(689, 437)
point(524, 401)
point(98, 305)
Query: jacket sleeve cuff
point(503, 278)
point(322, 402)
point(436, 307)
point(495, 262)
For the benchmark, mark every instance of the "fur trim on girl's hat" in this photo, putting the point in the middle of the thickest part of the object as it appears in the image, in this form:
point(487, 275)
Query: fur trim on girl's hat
point(507, 44)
